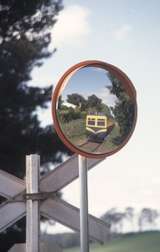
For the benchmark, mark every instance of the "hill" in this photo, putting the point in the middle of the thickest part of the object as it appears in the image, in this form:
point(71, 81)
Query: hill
point(141, 242)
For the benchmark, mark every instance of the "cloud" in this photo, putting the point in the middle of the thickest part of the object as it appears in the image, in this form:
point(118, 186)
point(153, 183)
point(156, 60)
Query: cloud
point(72, 27)
point(122, 32)
point(107, 97)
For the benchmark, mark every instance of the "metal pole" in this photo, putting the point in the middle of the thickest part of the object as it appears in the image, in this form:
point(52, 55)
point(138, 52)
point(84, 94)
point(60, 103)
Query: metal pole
point(32, 207)
point(84, 235)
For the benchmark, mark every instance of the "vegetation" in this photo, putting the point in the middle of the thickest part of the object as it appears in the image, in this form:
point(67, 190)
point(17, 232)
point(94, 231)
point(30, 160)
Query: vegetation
point(83, 106)
point(146, 218)
point(116, 239)
point(122, 114)
point(24, 38)
point(109, 144)
point(73, 120)
point(77, 100)
point(68, 114)
point(74, 129)
point(124, 111)
point(143, 242)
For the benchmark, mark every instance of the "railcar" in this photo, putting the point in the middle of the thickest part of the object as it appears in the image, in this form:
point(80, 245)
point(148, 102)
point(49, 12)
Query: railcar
point(98, 127)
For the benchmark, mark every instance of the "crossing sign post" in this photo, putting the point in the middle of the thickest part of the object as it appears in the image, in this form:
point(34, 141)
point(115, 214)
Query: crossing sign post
point(94, 112)
point(21, 199)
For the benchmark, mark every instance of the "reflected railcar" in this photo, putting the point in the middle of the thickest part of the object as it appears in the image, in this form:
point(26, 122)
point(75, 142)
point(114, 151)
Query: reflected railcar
point(98, 127)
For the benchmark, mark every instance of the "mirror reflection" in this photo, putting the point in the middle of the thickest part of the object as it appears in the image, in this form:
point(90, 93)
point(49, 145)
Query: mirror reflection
point(95, 112)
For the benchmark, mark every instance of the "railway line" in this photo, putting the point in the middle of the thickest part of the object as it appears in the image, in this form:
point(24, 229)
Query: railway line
point(92, 146)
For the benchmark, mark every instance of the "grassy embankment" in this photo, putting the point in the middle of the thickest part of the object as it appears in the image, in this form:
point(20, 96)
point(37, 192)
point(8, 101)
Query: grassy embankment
point(76, 132)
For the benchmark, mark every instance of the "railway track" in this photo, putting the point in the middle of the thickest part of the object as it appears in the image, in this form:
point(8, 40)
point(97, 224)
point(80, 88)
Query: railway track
point(93, 146)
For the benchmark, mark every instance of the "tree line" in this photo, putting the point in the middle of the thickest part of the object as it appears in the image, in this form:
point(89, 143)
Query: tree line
point(91, 103)
point(144, 220)
point(139, 221)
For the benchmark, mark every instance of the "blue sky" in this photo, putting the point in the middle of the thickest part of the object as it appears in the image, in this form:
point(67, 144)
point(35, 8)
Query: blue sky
point(86, 82)
point(126, 34)
point(89, 81)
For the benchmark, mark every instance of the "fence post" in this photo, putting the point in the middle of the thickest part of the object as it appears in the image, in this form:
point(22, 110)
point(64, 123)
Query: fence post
point(32, 206)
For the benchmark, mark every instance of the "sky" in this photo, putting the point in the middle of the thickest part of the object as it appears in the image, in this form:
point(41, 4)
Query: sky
point(89, 81)
point(126, 34)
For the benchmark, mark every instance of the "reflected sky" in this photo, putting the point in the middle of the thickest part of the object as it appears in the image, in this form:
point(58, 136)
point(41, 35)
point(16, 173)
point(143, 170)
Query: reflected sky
point(88, 81)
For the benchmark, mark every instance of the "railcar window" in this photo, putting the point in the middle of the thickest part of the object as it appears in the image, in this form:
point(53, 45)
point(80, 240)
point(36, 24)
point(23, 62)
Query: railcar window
point(91, 122)
point(101, 123)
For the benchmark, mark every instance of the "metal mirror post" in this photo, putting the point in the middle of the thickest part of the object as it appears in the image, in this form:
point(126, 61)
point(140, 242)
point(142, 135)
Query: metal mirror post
point(83, 178)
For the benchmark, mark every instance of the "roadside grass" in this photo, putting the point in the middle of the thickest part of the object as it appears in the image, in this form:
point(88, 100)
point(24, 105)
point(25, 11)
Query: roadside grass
point(108, 143)
point(75, 130)
point(142, 242)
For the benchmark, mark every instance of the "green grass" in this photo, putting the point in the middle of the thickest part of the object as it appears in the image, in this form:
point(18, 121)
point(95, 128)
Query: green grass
point(108, 143)
point(75, 131)
point(144, 242)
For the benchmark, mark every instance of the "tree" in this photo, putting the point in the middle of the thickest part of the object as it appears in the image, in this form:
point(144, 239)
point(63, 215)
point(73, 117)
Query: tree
point(24, 39)
point(60, 102)
point(105, 110)
point(77, 100)
point(147, 216)
point(94, 102)
point(129, 212)
point(114, 220)
point(124, 110)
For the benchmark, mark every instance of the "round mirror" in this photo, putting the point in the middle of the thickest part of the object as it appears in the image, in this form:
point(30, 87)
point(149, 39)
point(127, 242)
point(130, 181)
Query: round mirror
point(94, 109)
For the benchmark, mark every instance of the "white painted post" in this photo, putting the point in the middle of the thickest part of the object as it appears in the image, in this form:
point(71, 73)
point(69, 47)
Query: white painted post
point(84, 233)
point(32, 206)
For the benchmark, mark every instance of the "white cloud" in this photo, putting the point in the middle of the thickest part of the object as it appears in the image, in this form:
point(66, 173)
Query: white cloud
point(107, 97)
point(122, 32)
point(72, 26)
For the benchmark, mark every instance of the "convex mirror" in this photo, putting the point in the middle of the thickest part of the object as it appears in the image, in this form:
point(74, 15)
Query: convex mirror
point(94, 109)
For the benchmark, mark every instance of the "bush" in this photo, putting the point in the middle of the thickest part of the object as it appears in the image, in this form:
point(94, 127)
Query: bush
point(71, 114)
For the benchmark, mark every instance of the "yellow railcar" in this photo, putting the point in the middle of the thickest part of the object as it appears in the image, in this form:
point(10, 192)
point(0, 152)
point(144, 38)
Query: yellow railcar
point(97, 127)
